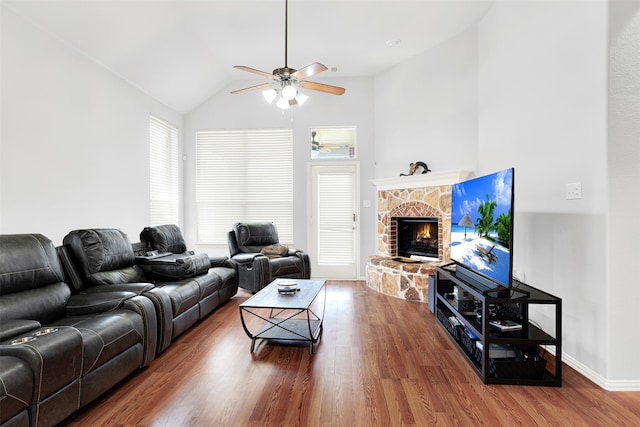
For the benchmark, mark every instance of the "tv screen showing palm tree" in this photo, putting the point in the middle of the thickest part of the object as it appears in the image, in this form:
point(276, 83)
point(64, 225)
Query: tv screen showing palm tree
point(482, 225)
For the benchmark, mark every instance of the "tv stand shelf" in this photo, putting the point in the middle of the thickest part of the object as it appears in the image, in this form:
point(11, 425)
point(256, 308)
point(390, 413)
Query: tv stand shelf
point(522, 352)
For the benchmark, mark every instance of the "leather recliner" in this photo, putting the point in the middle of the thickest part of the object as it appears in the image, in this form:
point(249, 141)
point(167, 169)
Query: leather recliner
point(105, 257)
point(102, 260)
point(260, 258)
point(76, 346)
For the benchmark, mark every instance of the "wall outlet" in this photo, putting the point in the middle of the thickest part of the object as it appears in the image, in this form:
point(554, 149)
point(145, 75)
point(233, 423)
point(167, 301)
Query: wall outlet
point(573, 191)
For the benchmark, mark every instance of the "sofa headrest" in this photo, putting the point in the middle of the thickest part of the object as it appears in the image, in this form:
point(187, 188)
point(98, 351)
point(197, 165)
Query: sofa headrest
point(164, 238)
point(252, 236)
point(98, 250)
point(27, 261)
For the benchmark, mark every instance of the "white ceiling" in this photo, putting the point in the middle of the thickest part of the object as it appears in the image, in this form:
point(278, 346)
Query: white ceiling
point(182, 52)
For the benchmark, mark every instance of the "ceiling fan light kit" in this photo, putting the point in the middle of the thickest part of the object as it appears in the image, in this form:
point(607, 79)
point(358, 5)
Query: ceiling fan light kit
point(289, 92)
point(282, 103)
point(287, 82)
point(270, 95)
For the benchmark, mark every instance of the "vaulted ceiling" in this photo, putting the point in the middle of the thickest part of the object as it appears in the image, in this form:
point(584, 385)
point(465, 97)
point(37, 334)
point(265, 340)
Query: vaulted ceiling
point(182, 52)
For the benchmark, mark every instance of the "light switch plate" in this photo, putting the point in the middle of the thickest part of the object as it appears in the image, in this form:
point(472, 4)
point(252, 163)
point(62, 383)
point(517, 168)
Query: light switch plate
point(573, 191)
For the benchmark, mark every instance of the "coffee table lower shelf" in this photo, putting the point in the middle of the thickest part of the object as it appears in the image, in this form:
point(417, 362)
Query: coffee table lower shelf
point(289, 329)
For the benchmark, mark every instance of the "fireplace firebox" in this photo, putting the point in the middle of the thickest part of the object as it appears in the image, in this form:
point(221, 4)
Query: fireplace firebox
point(417, 236)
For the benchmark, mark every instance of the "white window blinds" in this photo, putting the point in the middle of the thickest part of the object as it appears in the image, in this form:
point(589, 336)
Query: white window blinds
point(336, 218)
point(164, 176)
point(243, 175)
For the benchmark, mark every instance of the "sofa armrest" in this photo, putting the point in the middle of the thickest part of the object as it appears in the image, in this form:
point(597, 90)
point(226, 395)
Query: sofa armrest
point(247, 258)
point(137, 288)
point(220, 261)
point(12, 328)
point(145, 308)
point(306, 263)
point(253, 270)
point(81, 304)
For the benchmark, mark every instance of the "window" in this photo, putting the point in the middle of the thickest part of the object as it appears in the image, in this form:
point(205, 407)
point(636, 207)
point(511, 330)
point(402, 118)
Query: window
point(164, 177)
point(333, 143)
point(243, 175)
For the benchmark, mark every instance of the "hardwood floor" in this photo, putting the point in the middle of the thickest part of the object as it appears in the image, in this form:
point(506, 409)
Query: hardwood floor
point(381, 361)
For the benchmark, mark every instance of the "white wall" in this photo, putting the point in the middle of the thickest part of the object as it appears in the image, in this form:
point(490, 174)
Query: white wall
point(623, 156)
point(74, 139)
point(249, 110)
point(542, 104)
point(426, 110)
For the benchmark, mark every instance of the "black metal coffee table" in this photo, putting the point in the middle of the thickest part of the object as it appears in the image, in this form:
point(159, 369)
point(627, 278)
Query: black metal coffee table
point(294, 316)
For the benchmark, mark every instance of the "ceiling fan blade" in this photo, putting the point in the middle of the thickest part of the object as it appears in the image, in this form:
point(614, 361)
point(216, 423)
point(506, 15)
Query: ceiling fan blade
point(334, 90)
point(247, 89)
point(254, 71)
point(309, 71)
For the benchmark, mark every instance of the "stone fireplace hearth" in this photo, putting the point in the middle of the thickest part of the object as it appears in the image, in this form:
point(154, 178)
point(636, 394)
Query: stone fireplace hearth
point(427, 195)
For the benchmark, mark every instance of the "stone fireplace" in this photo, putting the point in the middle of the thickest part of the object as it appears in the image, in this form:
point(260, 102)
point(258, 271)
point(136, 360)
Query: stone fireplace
point(409, 198)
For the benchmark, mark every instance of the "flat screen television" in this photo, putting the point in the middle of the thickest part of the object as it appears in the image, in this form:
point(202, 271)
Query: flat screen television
point(482, 228)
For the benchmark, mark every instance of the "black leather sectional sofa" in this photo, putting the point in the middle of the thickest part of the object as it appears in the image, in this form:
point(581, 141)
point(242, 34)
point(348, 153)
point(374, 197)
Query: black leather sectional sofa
point(78, 318)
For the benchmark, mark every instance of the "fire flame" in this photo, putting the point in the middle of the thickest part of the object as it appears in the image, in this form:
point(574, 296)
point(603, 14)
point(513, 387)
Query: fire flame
point(424, 233)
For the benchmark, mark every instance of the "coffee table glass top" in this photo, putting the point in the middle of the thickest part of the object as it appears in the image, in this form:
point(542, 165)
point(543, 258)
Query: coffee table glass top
point(269, 297)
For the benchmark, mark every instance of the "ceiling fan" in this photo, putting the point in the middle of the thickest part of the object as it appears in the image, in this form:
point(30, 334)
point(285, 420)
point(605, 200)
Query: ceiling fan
point(286, 82)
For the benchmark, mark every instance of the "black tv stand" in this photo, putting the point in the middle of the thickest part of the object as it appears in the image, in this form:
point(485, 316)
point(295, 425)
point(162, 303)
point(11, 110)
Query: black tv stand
point(523, 352)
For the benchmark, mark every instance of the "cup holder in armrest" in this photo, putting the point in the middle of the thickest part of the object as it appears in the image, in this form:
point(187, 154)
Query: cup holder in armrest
point(22, 340)
point(45, 331)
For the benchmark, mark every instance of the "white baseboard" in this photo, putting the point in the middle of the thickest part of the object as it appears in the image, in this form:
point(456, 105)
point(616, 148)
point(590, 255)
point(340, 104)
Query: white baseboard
point(609, 385)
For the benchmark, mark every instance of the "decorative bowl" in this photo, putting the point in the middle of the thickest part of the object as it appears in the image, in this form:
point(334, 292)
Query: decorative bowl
point(287, 286)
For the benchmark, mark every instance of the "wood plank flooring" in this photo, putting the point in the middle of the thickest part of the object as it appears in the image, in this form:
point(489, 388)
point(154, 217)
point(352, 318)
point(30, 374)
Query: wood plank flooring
point(381, 361)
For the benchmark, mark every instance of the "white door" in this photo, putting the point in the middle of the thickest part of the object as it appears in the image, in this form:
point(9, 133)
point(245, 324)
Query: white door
point(333, 226)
